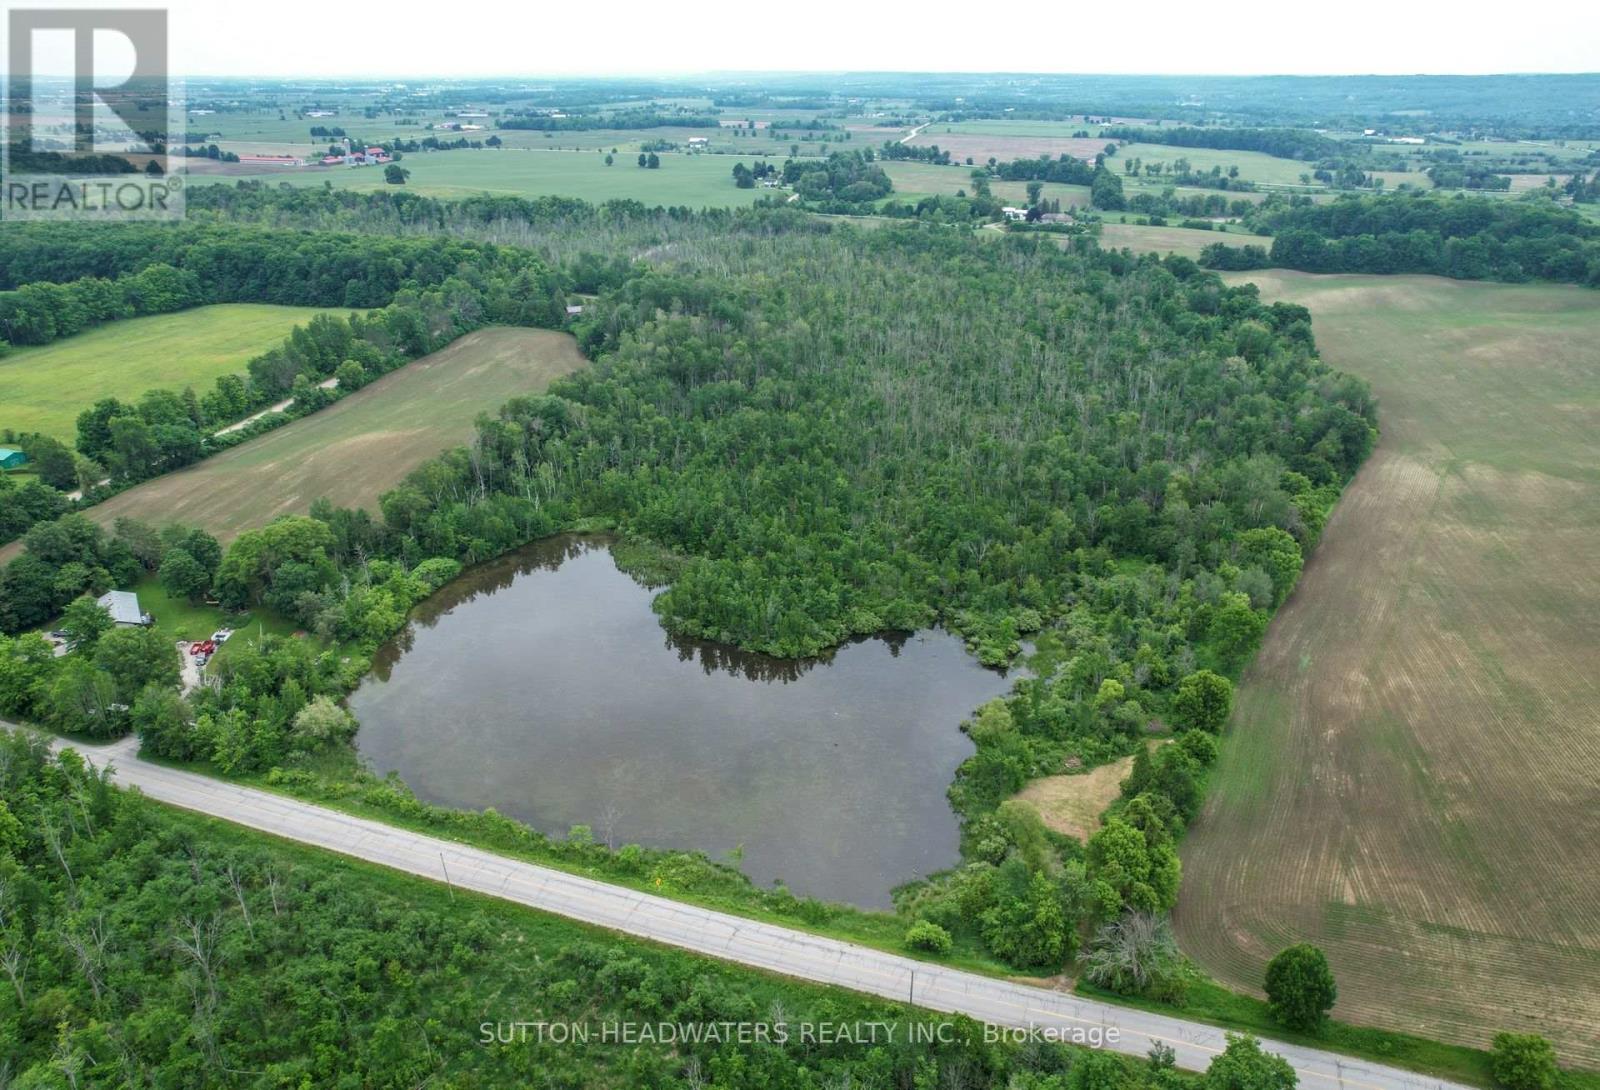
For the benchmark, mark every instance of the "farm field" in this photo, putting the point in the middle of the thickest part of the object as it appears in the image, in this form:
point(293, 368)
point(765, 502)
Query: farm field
point(45, 388)
point(916, 180)
point(1183, 241)
point(1253, 166)
point(1409, 777)
point(358, 448)
point(1009, 140)
point(698, 181)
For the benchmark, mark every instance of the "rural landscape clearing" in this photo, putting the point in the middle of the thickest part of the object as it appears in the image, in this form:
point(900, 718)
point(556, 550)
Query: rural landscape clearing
point(357, 449)
point(578, 565)
point(45, 388)
point(1410, 781)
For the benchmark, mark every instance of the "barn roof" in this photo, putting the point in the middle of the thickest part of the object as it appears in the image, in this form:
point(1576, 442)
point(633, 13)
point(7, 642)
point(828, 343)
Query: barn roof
point(123, 605)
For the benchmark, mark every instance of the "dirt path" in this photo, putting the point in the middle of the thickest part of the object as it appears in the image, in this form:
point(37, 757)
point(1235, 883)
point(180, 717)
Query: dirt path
point(327, 384)
point(1412, 778)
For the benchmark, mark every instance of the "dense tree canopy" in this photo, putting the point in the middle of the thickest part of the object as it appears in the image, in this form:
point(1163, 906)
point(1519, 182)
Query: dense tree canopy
point(1468, 238)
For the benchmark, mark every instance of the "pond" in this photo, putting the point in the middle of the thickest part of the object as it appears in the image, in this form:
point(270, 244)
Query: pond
point(543, 685)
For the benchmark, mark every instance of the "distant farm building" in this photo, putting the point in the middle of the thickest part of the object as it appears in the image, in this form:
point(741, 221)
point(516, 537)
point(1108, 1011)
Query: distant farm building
point(12, 458)
point(321, 113)
point(699, 143)
point(123, 605)
point(1014, 213)
point(356, 158)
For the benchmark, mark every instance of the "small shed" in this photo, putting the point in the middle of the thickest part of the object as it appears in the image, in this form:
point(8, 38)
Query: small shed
point(123, 605)
point(12, 458)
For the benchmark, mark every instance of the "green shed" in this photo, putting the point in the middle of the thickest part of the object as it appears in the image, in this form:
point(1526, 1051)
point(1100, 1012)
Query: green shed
point(12, 458)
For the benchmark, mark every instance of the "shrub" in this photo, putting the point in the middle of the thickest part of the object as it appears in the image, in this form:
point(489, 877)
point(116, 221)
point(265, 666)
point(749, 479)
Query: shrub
point(1136, 954)
point(1244, 1066)
point(1523, 1061)
point(929, 936)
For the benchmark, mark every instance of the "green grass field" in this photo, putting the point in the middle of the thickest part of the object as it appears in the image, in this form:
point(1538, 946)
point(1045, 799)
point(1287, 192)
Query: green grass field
point(1408, 779)
point(43, 389)
point(1253, 166)
point(916, 180)
point(361, 446)
point(699, 181)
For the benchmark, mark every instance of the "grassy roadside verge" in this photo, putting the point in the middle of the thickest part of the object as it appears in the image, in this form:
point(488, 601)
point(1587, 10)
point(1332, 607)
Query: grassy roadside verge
point(1214, 1004)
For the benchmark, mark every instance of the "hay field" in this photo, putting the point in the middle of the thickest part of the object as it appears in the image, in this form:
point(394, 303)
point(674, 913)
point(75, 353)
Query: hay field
point(1183, 241)
point(45, 388)
point(698, 181)
point(1412, 775)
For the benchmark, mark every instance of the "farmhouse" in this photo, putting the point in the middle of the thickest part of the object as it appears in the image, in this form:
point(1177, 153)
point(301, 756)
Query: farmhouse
point(123, 605)
point(1015, 213)
point(699, 143)
point(12, 458)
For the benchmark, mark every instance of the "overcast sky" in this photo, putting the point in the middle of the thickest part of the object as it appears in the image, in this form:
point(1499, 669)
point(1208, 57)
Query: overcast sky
point(623, 37)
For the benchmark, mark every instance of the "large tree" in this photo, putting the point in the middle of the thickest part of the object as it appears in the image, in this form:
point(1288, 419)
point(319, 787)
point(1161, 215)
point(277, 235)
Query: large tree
point(136, 657)
point(1300, 987)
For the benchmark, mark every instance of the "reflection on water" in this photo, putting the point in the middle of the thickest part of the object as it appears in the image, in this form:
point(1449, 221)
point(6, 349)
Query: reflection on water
point(542, 685)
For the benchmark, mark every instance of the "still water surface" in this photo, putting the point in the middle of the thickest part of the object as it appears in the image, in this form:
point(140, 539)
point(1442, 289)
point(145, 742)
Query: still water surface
point(542, 685)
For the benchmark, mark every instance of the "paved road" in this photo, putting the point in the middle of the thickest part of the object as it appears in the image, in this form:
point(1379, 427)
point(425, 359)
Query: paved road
point(731, 938)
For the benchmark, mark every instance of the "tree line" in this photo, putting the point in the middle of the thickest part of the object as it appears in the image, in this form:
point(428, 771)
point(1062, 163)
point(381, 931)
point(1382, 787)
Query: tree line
point(1284, 143)
point(1467, 238)
point(38, 313)
point(642, 118)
